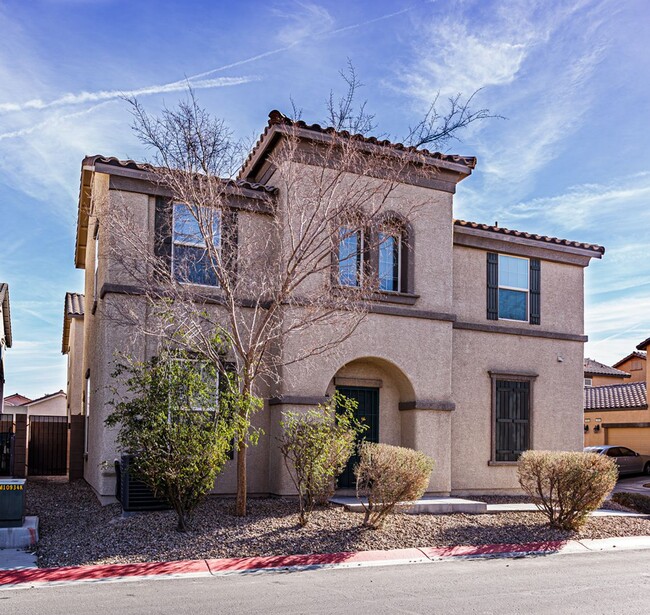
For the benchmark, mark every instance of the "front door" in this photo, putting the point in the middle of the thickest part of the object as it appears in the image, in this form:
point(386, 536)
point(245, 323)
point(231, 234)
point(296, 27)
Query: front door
point(367, 413)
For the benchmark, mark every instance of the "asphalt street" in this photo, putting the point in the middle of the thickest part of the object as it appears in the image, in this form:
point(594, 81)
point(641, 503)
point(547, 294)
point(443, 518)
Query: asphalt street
point(607, 582)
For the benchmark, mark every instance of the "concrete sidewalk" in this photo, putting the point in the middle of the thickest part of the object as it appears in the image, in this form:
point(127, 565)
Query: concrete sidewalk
point(217, 567)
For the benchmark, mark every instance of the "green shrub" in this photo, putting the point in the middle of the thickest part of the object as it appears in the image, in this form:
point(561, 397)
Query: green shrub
point(567, 486)
point(388, 475)
point(316, 445)
point(636, 501)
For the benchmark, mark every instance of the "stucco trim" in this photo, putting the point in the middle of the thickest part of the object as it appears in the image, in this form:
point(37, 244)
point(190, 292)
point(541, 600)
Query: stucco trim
point(351, 381)
point(553, 335)
point(618, 425)
point(428, 404)
point(297, 400)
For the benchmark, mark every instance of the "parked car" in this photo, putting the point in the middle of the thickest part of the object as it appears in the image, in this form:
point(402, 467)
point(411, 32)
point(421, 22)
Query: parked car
point(627, 460)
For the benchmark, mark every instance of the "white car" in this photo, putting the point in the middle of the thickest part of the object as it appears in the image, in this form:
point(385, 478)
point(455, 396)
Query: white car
point(628, 461)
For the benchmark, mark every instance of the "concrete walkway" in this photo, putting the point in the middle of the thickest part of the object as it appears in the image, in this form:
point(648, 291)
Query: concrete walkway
point(635, 484)
point(12, 559)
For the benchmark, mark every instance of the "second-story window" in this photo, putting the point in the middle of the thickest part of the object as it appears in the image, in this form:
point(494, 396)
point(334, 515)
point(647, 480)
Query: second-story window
point(350, 256)
point(390, 261)
point(194, 231)
point(513, 287)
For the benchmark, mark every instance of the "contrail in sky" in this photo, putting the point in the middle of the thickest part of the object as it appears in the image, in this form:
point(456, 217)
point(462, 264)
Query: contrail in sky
point(197, 81)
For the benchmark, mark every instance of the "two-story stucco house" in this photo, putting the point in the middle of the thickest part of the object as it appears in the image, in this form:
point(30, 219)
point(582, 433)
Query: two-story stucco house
point(472, 351)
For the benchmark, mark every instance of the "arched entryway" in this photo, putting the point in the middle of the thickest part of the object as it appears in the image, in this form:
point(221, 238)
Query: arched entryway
point(378, 386)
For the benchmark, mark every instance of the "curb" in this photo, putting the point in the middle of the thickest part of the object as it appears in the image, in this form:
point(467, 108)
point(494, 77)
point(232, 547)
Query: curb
point(218, 567)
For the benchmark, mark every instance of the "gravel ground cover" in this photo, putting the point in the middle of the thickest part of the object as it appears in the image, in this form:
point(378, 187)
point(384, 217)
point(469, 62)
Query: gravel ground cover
point(75, 529)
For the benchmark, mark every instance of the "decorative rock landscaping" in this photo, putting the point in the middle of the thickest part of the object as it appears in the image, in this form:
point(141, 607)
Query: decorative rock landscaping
point(76, 529)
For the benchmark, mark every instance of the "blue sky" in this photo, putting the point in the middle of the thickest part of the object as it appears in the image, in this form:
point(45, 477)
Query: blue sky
point(572, 158)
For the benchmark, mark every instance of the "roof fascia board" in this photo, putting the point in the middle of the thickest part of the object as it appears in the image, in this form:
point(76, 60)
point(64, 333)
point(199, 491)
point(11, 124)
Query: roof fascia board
point(489, 240)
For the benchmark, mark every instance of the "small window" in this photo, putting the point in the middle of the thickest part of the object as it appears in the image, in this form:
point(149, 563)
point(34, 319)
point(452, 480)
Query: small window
point(87, 409)
point(636, 366)
point(191, 261)
point(390, 261)
point(589, 382)
point(350, 256)
point(513, 288)
point(511, 412)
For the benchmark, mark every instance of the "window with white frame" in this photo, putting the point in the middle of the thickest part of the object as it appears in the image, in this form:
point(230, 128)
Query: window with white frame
point(87, 409)
point(514, 279)
point(350, 256)
point(390, 261)
point(588, 382)
point(194, 229)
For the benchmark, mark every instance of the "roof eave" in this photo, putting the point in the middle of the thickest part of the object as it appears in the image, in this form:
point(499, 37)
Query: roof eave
point(6, 313)
point(272, 134)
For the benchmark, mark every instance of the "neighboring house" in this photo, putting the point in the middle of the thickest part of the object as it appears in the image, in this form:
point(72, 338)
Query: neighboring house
point(52, 404)
point(5, 336)
point(72, 345)
point(474, 355)
point(636, 363)
point(598, 374)
point(618, 414)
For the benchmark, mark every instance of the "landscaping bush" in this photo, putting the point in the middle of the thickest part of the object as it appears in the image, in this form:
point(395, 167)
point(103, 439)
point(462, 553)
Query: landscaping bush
point(567, 486)
point(636, 501)
point(388, 475)
point(316, 445)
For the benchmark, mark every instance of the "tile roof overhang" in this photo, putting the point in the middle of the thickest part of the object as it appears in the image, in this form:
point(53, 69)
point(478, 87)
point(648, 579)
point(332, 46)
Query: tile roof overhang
point(6, 312)
point(475, 234)
point(16, 397)
point(146, 173)
point(595, 368)
point(644, 344)
point(633, 355)
point(279, 124)
point(73, 308)
point(629, 396)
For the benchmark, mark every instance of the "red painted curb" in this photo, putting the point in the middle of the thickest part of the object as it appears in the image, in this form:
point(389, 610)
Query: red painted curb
point(249, 564)
point(106, 571)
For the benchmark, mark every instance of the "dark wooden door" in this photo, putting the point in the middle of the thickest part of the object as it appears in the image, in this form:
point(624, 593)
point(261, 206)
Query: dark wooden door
point(48, 444)
point(367, 412)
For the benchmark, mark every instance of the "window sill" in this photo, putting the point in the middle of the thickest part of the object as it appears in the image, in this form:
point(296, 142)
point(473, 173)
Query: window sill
point(390, 297)
point(503, 463)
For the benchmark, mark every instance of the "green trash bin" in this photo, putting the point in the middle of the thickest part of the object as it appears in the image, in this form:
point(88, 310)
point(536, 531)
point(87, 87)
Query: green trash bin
point(12, 502)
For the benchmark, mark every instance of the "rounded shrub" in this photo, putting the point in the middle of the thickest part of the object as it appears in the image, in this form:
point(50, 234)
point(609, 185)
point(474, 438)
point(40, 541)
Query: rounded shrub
point(567, 486)
point(388, 475)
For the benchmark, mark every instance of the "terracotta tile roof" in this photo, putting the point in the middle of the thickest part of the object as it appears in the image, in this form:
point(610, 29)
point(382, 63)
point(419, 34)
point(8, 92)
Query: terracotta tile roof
point(140, 166)
point(595, 368)
point(277, 118)
point(73, 307)
point(74, 304)
point(544, 238)
point(644, 344)
point(633, 355)
point(16, 400)
point(615, 396)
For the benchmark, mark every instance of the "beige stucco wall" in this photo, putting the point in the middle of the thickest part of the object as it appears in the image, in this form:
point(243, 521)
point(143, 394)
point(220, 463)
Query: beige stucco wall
point(422, 361)
point(600, 417)
point(556, 402)
point(53, 406)
point(639, 373)
point(562, 296)
point(75, 372)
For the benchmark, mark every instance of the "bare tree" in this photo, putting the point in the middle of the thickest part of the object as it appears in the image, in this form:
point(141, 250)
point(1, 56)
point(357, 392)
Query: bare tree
point(277, 274)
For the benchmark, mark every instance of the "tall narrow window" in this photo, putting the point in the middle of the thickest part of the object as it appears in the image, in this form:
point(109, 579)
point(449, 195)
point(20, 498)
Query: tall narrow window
point(513, 288)
point(350, 256)
point(390, 261)
point(191, 261)
point(96, 266)
point(511, 411)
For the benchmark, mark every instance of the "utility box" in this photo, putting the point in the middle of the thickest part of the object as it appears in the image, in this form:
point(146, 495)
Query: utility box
point(12, 502)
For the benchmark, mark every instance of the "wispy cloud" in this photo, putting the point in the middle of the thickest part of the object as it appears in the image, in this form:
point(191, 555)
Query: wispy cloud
point(105, 95)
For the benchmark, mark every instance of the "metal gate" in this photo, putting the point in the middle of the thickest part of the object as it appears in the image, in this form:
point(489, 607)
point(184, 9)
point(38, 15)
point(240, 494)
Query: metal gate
point(367, 412)
point(48, 445)
point(6, 442)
